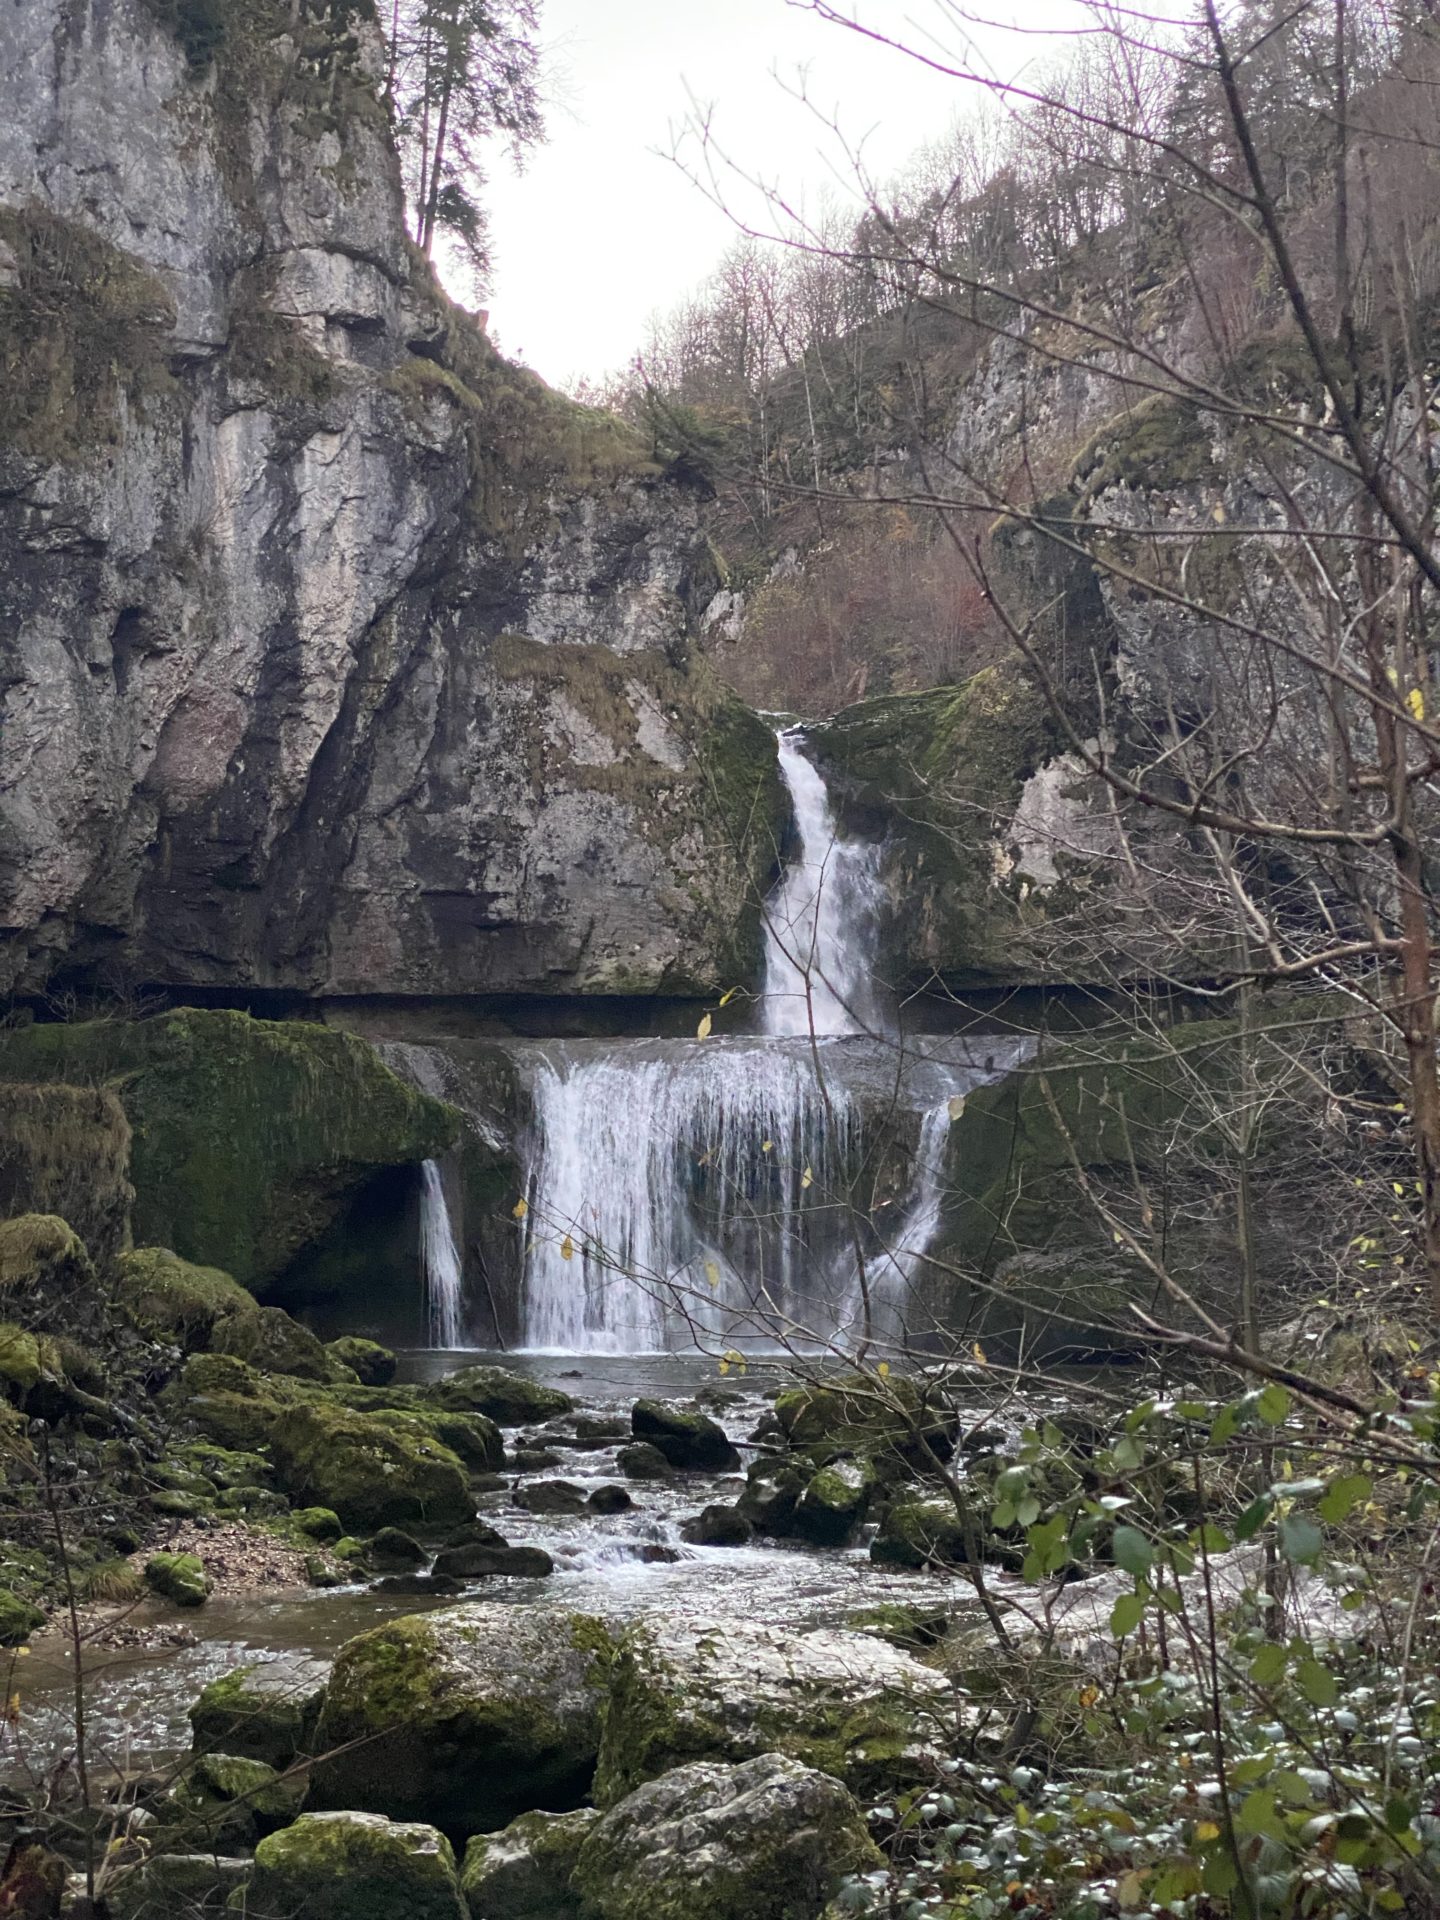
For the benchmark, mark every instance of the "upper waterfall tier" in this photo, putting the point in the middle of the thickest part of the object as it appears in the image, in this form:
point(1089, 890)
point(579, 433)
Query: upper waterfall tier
point(822, 921)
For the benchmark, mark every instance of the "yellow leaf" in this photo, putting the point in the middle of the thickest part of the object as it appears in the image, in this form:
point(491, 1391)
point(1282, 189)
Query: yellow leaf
point(957, 1105)
point(712, 1273)
point(1088, 1696)
point(728, 995)
point(766, 1145)
point(1130, 1887)
point(883, 1369)
point(979, 1353)
point(702, 1032)
point(806, 1178)
point(724, 1366)
point(1415, 701)
point(567, 1248)
point(1206, 1832)
point(520, 1208)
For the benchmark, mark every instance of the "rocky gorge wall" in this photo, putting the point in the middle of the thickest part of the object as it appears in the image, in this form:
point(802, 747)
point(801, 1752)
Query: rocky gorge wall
point(337, 656)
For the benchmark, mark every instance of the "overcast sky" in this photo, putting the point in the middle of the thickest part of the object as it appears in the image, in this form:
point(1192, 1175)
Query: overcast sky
point(601, 229)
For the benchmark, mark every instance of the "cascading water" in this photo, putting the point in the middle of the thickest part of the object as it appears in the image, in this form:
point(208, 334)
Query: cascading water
point(822, 920)
point(440, 1261)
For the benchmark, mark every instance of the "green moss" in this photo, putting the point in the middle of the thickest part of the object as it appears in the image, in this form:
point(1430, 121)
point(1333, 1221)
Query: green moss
point(18, 1619)
point(84, 337)
point(267, 1338)
point(23, 1359)
point(66, 1151)
point(43, 1262)
point(257, 1713)
point(165, 1295)
point(470, 1436)
point(249, 1135)
point(347, 1866)
point(372, 1364)
point(373, 1475)
point(509, 1399)
point(180, 1577)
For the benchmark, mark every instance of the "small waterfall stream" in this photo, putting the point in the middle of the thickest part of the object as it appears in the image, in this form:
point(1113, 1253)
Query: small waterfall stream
point(440, 1262)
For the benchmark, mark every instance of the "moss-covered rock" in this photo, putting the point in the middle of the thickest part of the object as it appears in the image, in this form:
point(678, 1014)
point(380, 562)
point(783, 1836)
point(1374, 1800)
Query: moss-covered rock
point(66, 1151)
point(833, 1503)
point(766, 1840)
point(641, 1461)
point(467, 1717)
point(174, 1299)
point(43, 1263)
point(716, 1526)
point(355, 1866)
point(224, 1802)
point(180, 1577)
point(372, 1474)
point(257, 1713)
point(318, 1523)
point(773, 1485)
point(523, 1873)
point(188, 1884)
point(684, 1690)
point(249, 1136)
point(372, 1364)
point(906, 1420)
point(688, 1440)
point(23, 1358)
point(509, 1399)
point(239, 1421)
point(935, 1533)
point(269, 1339)
point(470, 1436)
point(18, 1619)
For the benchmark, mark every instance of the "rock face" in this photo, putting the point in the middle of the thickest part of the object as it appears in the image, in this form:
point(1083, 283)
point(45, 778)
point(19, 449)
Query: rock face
point(769, 1840)
point(465, 1717)
point(339, 656)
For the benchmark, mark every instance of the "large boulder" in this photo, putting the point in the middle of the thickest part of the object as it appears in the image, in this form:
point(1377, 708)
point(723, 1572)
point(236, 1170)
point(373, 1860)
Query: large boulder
point(766, 1840)
point(180, 1577)
point(249, 1136)
point(43, 1261)
point(354, 1866)
point(465, 1717)
point(684, 1690)
point(188, 1884)
point(373, 1475)
point(176, 1300)
point(833, 1503)
point(66, 1151)
point(524, 1872)
point(685, 1438)
point(892, 1418)
point(257, 1712)
point(469, 1436)
point(223, 1803)
point(509, 1399)
point(372, 1364)
point(269, 1339)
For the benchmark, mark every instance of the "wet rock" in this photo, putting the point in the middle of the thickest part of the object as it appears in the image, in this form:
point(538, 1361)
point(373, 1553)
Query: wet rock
point(373, 1475)
point(509, 1399)
point(391, 1547)
point(641, 1461)
point(683, 1690)
point(912, 1628)
point(768, 1839)
point(225, 1803)
point(551, 1496)
point(773, 1487)
point(475, 1533)
point(536, 1459)
point(257, 1713)
point(268, 1339)
point(524, 1872)
point(926, 1533)
point(318, 1523)
point(833, 1504)
point(716, 1526)
point(372, 1364)
point(356, 1866)
point(173, 1299)
point(600, 1427)
point(180, 1577)
point(911, 1423)
point(177, 1883)
point(467, 1716)
point(18, 1619)
point(480, 1562)
point(320, 1573)
point(610, 1499)
point(689, 1441)
point(418, 1586)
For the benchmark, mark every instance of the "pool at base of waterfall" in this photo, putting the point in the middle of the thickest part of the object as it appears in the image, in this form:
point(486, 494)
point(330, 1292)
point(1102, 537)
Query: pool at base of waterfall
point(148, 1665)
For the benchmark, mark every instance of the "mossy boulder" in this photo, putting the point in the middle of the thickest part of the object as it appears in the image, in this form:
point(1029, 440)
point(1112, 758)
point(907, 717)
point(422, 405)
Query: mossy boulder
point(466, 1717)
point(641, 1461)
point(269, 1339)
point(355, 1866)
point(372, 1364)
point(935, 1533)
point(240, 1421)
point(174, 1299)
point(372, 1474)
point(773, 1486)
point(43, 1262)
point(523, 1873)
point(768, 1839)
point(249, 1136)
point(25, 1359)
point(833, 1504)
point(188, 1884)
point(224, 1802)
point(908, 1421)
point(688, 1440)
point(264, 1713)
point(18, 1619)
point(318, 1523)
point(684, 1690)
point(180, 1577)
point(65, 1151)
point(509, 1399)
point(470, 1436)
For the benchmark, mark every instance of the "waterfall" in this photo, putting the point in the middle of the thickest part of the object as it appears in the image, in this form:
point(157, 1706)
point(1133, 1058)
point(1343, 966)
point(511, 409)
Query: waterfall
point(822, 920)
point(440, 1261)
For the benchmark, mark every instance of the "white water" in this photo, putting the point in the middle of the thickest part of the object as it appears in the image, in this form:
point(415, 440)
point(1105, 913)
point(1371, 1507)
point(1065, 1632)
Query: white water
point(440, 1261)
point(822, 920)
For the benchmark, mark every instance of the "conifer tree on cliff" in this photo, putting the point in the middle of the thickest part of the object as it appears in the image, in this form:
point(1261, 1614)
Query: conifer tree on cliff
point(464, 75)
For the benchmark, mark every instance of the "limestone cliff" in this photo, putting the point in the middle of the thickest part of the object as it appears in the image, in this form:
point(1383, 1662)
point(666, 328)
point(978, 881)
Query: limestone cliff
point(337, 655)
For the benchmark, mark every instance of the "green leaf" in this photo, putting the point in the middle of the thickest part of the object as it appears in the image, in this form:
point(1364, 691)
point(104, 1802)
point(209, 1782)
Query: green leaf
point(1254, 1517)
point(1300, 1539)
point(1133, 1552)
point(1399, 1813)
point(1028, 1511)
point(1273, 1404)
point(1259, 1814)
point(1210, 1538)
point(1269, 1665)
point(1225, 1424)
point(1317, 1683)
point(1126, 1614)
point(1342, 1495)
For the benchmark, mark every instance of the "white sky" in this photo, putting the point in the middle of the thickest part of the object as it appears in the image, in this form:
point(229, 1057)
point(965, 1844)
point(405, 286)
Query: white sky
point(601, 230)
